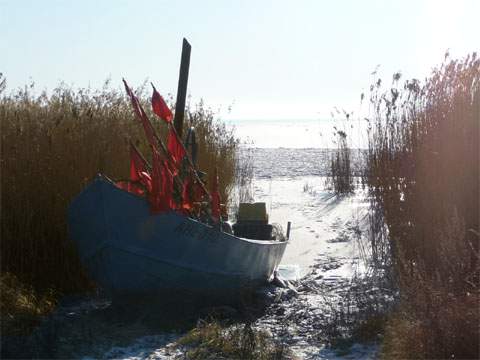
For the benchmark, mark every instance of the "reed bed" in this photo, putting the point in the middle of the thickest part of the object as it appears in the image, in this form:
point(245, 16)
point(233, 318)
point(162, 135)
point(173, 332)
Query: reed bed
point(423, 175)
point(340, 177)
point(52, 145)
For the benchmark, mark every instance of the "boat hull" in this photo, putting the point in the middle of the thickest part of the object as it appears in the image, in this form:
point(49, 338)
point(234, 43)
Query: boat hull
point(127, 249)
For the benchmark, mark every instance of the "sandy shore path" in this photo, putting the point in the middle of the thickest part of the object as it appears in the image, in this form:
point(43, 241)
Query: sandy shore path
point(324, 257)
point(322, 224)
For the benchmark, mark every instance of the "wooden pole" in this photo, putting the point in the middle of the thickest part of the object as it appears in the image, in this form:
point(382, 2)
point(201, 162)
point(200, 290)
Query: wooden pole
point(182, 87)
point(289, 224)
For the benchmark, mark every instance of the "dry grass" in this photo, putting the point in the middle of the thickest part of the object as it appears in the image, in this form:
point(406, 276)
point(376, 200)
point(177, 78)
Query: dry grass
point(51, 147)
point(243, 188)
point(211, 340)
point(433, 324)
point(340, 177)
point(423, 173)
point(21, 307)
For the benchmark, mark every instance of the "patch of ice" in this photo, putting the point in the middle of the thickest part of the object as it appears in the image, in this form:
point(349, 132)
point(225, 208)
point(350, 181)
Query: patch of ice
point(146, 348)
point(290, 272)
point(355, 352)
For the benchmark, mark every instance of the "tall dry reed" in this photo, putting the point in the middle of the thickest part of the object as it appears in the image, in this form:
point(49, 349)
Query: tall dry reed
point(52, 146)
point(340, 176)
point(423, 174)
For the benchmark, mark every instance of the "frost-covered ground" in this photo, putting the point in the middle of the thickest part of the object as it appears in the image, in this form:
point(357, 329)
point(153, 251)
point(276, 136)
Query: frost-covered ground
point(323, 261)
point(322, 224)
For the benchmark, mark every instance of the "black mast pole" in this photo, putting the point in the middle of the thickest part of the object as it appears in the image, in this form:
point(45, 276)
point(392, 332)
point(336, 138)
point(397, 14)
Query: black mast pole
point(182, 88)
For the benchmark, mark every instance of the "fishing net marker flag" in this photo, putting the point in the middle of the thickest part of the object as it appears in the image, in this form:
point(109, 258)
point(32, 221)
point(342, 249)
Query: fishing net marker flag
point(160, 108)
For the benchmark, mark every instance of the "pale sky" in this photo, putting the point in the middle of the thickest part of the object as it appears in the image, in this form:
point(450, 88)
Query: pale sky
point(270, 59)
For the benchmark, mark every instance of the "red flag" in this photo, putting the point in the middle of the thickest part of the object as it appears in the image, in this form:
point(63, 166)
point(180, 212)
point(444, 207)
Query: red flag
point(156, 203)
point(167, 189)
point(124, 185)
point(133, 99)
point(137, 164)
point(138, 173)
point(175, 147)
point(142, 116)
point(160, 108)
point(162, 185)
point(187, 194)
point(140, 180)
point(146, 180)
point(134, 188)
point(215, 198)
